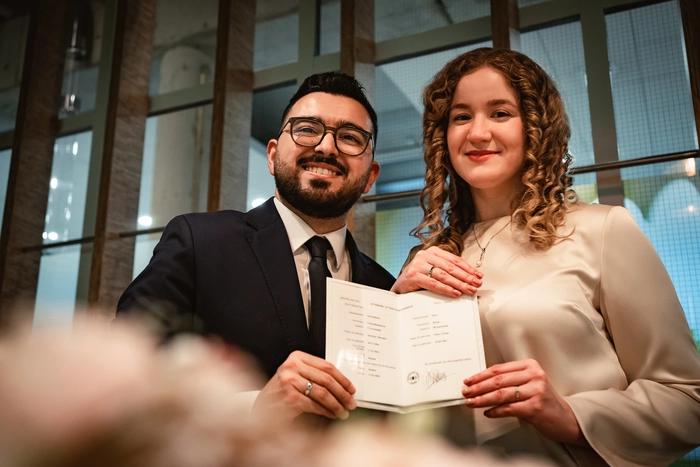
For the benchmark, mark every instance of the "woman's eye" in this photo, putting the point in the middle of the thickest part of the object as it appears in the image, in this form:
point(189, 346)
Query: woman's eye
point(461, 118)
point(501, 114)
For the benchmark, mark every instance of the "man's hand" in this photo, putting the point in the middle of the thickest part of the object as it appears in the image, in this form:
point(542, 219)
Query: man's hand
point(284, 398)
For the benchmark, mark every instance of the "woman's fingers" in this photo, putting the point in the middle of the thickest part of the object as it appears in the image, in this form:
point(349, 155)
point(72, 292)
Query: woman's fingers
point(439, 271)
point(507, 383)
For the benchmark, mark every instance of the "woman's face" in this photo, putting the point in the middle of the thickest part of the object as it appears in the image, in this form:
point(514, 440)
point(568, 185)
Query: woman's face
point(485, 136)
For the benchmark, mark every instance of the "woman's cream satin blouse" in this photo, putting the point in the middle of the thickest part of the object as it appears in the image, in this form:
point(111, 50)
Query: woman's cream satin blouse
point(599, 313)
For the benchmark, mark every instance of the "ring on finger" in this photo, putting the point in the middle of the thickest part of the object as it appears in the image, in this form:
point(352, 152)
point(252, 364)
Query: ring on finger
point(309, 385)
point(517, 394)
point(430, 271)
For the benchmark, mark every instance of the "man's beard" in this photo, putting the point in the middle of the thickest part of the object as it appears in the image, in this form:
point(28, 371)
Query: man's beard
point(317, 201)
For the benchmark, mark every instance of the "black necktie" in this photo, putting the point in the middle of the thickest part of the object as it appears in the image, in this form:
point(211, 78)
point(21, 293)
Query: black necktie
point(318, 271)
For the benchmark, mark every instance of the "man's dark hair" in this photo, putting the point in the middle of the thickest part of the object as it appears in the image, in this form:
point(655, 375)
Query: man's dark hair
point(339, 84)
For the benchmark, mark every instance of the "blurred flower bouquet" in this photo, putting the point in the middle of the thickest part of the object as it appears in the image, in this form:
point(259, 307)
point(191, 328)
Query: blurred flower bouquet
point(114, 397)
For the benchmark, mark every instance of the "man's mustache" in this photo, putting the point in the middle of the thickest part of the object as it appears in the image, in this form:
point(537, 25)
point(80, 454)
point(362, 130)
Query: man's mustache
point(315, 158)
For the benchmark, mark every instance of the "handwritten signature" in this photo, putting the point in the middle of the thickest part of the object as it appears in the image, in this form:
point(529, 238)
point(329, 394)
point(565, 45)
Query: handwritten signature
point(433, 377)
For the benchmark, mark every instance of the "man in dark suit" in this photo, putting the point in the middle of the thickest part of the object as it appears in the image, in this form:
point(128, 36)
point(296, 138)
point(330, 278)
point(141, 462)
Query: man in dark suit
point(244, 276)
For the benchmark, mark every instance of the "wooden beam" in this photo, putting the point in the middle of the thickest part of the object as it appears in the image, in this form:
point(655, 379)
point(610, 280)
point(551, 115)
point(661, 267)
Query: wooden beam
point(32, 155)
point(124, 130)
point(233, 106)
point(357, 58)
point(505, 24)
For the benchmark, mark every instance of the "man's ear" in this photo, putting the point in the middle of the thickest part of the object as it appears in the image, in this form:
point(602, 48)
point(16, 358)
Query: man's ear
point(271, 152)
point(374, 173)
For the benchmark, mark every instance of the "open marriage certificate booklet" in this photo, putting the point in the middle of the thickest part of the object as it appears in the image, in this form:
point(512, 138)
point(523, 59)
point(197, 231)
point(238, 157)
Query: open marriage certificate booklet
point(402, 352)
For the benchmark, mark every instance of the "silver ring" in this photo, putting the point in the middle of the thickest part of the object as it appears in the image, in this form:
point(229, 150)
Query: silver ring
point(430, 272)
point(517, 394)
point(309, 385)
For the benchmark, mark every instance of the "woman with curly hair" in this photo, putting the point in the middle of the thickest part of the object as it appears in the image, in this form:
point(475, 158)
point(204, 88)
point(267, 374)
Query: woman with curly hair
point(590, 357)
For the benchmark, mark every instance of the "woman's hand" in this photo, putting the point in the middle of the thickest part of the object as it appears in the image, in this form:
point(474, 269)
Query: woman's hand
point(440, 271)
point(521, 389)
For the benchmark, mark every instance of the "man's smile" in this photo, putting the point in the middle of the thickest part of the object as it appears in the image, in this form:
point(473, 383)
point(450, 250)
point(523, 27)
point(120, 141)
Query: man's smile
point(319, 165)
point(320, 170)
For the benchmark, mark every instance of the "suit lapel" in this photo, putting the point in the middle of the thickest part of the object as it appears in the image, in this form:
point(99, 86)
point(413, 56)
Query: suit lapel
point(360, 271)
point(270, 245)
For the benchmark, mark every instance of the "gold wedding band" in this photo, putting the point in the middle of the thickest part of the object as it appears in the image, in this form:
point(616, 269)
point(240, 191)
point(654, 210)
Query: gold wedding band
point(517, 394)
point(309, 385)
point(430, 272)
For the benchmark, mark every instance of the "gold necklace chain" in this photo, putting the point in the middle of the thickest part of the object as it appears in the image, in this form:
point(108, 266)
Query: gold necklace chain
point(483, 249)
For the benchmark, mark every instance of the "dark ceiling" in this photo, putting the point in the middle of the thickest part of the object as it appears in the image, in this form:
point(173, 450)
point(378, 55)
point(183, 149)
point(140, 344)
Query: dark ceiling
point(12, 8)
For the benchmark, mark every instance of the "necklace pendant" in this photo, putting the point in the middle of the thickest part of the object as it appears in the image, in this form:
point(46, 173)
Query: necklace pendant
point(478, 264)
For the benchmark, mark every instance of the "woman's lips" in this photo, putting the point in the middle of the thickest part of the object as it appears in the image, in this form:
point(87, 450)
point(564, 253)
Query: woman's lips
point(480, 156)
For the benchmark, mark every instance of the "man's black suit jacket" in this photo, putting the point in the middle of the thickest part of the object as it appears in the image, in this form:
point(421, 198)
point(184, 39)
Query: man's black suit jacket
point(232, 274)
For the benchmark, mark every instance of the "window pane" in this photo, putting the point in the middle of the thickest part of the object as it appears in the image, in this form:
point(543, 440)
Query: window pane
point(523, 3)
point(586, 187)
point(143, 251)
point(650, 84)
point(330, 27)
point(414, 16)
point(58, 284)
point(5, 157)
point(184, 44)
point(665, 201)
point(393, 224)
point(175, 173)
point(13, 33)
point(268, 106)
point(82, 58)
point(559, 50)
point(65, 211)
point(276, 33)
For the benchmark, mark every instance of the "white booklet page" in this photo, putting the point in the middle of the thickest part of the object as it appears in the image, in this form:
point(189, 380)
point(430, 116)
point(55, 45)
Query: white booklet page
point(402, 352)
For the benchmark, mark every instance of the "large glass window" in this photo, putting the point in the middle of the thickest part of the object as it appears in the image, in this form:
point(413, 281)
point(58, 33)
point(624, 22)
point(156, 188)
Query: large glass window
point(276, 33)
point(5, 157)
point(175, 173)
point(58, 284)
point(65, 214)
point(81, 58)
point(665, 201)
point(523, 3)
point(559, 50)
point(13, 33)
point(9, 98)
point(268, 106)
point(143, 251)
point(65, 211)
point(650, 84)
point(392, 21)
point(329, 40)
point(184, 44)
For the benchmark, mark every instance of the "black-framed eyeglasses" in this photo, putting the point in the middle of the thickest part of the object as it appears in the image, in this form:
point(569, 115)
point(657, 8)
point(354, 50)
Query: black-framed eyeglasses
point(309, 132)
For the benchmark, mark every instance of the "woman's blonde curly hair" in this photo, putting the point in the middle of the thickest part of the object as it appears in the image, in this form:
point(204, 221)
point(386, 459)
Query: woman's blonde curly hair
point(446, 199)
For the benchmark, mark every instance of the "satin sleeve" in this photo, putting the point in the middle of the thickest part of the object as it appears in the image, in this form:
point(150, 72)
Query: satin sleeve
point(656, 418)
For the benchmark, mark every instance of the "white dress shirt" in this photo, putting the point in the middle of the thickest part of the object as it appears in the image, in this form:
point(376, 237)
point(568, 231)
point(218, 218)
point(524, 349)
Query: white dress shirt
point(299, 232)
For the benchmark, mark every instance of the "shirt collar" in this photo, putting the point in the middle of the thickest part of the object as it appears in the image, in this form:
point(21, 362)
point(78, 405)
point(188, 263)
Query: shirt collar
point(299, 232)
